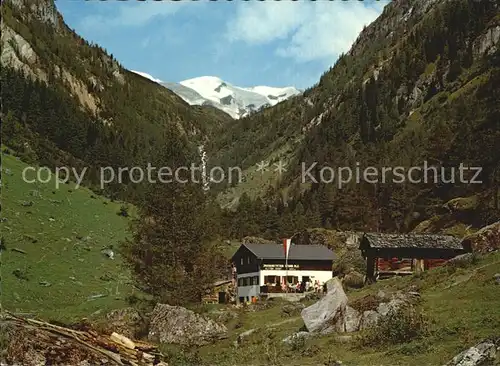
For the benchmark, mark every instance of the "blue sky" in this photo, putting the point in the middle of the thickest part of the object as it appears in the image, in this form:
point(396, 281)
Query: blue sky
point(245, 43)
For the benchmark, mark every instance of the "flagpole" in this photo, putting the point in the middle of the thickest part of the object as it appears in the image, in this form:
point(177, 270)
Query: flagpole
point(286, 272)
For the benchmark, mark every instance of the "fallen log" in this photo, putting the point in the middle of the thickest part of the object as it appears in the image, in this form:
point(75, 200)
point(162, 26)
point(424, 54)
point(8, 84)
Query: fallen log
point(118, 338)
point(19, 250)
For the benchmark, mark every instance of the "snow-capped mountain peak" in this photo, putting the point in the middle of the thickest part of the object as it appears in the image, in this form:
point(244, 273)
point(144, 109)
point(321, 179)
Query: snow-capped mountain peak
point(234, 100)
point(147, 76)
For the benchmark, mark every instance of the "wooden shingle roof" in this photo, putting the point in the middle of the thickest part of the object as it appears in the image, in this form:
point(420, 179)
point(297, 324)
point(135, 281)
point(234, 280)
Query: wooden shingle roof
point(378, 240)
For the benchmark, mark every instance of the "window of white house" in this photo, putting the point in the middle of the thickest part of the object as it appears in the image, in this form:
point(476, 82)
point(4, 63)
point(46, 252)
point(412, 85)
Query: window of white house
point(270, 280)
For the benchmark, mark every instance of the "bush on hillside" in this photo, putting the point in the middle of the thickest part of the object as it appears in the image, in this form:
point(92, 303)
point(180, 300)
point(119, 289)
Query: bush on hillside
point(365, 303)
point(398, 326)
point(350, 260)
point(123, 211)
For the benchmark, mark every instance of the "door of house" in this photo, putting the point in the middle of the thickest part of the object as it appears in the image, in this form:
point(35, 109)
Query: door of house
point(222, 297)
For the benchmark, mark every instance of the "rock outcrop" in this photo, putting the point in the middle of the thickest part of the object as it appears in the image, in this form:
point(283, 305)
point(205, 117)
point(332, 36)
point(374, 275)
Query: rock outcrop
point(18, 53)
point(488, 42)
point(347, 322)
point(353, 279)
point(485, 240)
point(483, 353)
point(333, 313)
point(178, 325)
point(126, 321)
point(292, 309)
point(296, 337)
point(368, 319)
point(462, 204)
point(325, 313)
point(462, 260)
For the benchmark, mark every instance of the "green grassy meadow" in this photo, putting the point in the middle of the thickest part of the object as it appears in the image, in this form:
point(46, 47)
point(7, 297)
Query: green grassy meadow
point(62, 232)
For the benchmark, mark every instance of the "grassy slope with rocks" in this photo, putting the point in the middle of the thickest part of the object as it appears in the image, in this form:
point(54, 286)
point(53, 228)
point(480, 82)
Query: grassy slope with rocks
point(62, 233)
point(462, 306)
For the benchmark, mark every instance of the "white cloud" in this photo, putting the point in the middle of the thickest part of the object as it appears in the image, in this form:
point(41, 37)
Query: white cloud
point(140, 14)
point(130, 14)
point(313, 30)
point(261, 22)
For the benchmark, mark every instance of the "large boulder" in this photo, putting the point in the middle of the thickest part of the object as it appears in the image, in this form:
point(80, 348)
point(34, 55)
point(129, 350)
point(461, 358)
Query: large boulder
point(369, 319)
point(462, 204)
point(353, 279)
point(292, 309)
point(333, 313)
point(385, 307)
point(462, 260)
point(325, 313)
point(347, 322)
point(485, 240)
point(126, 321)
point(483, 353)
point(178, 325)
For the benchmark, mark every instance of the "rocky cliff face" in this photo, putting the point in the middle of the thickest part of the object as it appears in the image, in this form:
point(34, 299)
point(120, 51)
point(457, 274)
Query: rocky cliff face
point(18, 53)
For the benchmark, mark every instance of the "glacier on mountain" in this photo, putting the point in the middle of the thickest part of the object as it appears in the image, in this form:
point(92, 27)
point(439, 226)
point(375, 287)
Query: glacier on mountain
point(234, 100)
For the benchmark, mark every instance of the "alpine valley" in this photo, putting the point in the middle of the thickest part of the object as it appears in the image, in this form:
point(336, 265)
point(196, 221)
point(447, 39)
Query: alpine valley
point(420, 85)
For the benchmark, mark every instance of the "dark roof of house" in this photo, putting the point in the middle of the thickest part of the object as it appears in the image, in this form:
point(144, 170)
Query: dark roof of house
point(377, 240)
point(297, 252)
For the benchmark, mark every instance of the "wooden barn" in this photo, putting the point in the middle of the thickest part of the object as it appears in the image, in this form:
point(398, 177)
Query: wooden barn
point(401, 254)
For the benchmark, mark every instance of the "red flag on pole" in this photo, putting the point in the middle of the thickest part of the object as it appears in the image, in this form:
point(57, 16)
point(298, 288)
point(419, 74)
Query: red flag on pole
point(286, 246)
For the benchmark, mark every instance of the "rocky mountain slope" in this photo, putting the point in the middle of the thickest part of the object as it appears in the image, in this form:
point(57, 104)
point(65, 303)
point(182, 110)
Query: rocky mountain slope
point(234, 100)
point(67, 101)
point(420, 84)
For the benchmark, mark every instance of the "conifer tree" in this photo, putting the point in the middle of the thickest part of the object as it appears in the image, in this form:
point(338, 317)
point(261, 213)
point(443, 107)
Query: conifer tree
point(171, 254)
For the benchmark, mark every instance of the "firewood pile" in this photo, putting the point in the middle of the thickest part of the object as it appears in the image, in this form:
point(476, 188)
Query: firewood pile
point(34, 342)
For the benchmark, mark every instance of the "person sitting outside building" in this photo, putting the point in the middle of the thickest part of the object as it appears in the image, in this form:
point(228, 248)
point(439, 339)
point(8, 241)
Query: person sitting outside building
point(302, 286)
